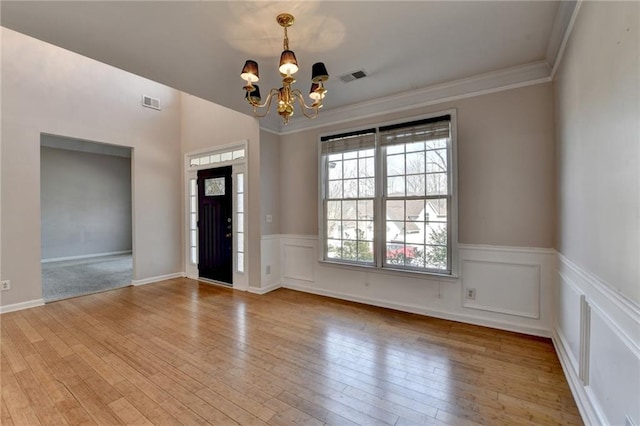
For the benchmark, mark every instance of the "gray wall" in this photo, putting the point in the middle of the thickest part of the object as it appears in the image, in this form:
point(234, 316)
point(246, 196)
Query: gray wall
point(505, 168)
point(597, 91)
point(85, 203)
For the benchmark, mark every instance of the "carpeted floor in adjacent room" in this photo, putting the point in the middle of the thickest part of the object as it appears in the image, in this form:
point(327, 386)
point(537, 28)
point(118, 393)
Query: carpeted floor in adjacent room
point(70, 278)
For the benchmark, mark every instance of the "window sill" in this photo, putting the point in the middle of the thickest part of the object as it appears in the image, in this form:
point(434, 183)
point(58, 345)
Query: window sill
point(391, 271)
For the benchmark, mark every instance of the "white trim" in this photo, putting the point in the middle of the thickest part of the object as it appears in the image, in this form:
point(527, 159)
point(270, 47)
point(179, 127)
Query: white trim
point(216, 149)
point(85, 256)
point(408, 273)
point(496, 81)
point(151, 280)
point(469, 319)
point(628, 341)
point(510, 249)
point(585, 340)
point(22, 305)
point(565, 39)
point(573, 361)
point(576, 359)
point(626, 305)
point(215, 283)
point(264, 290)
point(591, 415)
point(271, 237)
point(559, 30)
point(263, 126)
point(300, 237)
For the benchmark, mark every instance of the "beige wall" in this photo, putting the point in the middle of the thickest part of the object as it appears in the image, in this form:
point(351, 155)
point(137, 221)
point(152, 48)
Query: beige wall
point(270, 182)
point(597, 91)
point(206, 125)
point(505, 168)
point(46, 89)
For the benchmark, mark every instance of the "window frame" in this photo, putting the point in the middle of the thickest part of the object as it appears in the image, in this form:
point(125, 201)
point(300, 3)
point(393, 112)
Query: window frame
point(380, 199)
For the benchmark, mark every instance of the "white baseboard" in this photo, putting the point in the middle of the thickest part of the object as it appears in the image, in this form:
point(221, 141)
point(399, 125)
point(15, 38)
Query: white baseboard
point(469, 319)
point(586, 409)
point(85, 256)
point(264, 290)
point(20, 306)
point(145, 281)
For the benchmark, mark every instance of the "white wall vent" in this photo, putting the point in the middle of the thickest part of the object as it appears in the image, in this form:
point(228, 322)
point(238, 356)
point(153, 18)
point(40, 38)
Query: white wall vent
point(149, 102)
point(356, 75)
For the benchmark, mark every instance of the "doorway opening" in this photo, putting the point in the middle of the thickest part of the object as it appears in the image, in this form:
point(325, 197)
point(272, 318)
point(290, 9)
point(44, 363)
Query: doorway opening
point(215, 187)
point(86, 217)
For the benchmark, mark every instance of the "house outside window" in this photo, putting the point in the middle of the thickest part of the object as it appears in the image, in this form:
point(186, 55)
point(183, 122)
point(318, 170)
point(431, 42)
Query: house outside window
point(388, 196)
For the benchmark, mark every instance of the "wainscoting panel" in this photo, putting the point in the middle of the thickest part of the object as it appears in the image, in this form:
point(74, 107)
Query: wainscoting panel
point(509, 288)
point(568, 301)
point(516, 281)
point(598, 330)
point(271, 264)
point(520, 275)
point(299, 258)
point(614, 371)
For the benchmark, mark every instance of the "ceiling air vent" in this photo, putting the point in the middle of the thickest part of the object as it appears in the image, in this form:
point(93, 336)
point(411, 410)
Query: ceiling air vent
point(356, 75)
point(149, 102)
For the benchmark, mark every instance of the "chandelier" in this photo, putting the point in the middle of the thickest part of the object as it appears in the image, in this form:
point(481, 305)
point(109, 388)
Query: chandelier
point(285, 95)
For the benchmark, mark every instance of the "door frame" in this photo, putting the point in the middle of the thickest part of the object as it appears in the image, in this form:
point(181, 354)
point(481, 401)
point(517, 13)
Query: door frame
point(240, 278)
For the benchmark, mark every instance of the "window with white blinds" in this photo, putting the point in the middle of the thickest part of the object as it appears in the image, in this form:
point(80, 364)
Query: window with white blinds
point(348, 196)
point(388, 196)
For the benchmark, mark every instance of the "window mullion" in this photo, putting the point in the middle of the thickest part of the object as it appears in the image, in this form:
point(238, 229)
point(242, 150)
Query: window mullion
point(380, 200)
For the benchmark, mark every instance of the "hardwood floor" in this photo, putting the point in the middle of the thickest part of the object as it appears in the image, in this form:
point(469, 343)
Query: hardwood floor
point(181, 353)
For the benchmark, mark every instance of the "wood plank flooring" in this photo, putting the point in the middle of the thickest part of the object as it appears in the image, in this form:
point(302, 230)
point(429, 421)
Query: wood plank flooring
point(183, 353)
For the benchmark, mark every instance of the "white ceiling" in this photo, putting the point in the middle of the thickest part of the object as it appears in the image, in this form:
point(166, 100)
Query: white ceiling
point(199, 47)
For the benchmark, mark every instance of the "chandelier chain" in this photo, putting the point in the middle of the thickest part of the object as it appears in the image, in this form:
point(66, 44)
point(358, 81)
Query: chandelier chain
point(286, 40)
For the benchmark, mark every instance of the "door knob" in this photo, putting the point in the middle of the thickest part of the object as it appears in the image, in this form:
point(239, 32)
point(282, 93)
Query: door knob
point(228, 235)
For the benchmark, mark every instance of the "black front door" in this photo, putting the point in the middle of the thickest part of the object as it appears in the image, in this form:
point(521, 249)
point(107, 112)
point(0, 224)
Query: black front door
point(215, 228)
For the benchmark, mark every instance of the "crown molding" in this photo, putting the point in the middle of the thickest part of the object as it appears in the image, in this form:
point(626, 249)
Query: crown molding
point(567, 32)
point(559, 30)
point(505, 79)
point(271, 124)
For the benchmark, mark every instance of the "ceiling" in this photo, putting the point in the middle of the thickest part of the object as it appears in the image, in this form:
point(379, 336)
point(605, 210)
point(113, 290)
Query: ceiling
point(199, 47)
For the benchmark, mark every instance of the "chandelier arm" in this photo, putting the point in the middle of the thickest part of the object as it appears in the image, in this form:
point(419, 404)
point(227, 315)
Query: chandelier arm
point(304, 107)
point(298, 94)
point(266, 104)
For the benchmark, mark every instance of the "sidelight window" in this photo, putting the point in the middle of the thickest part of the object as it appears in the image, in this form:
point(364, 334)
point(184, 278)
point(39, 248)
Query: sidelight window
point(240, 222)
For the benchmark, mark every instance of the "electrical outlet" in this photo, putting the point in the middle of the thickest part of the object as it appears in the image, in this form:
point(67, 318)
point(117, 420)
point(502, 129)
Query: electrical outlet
point(6, 285)
point(471, 293)
point(268, 270)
